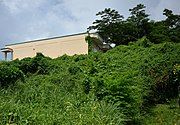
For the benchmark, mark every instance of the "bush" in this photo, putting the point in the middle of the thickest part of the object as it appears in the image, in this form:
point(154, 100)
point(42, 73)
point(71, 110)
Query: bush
point(9, 75)
point(144, 42)
point(39, 64)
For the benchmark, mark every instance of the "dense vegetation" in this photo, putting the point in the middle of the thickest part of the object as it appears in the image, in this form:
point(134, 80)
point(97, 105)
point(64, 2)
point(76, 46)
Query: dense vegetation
point(134, 83)
point(121, 86)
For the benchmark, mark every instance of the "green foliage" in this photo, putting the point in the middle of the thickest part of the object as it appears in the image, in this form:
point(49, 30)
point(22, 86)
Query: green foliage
point(94, 43)
point(159, 33)
point(163, 114)
point(74, 70)
point(140, 19)
point(40, 101)
point(100, 88)
point(90, 43)
point(113, 28)
point(144, 42)
point(39, 64)
point(10, 72)
point(107, 25)
point(9, 75)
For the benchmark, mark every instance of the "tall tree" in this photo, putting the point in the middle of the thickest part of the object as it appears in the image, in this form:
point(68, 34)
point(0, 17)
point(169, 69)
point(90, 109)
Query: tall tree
point(140, 19)
point(172, 21)
point(107, 25)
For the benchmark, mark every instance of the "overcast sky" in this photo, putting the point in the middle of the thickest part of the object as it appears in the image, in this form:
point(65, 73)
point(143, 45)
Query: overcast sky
point(22, 20)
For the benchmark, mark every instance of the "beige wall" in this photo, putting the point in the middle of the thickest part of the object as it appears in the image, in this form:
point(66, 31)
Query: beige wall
point(53, 48)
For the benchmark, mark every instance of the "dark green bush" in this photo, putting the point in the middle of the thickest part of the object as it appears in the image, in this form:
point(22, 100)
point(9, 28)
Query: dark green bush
point(38, 64)
point(25, 65)
point(166, 83)
point(9, 75)
point(79, 58)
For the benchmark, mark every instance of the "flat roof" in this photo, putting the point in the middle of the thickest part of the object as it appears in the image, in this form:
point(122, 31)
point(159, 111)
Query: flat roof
point(6, 50)
point(47, 38)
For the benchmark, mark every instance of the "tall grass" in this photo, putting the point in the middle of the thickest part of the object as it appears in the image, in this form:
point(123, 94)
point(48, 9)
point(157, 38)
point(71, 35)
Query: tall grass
point(38, 101)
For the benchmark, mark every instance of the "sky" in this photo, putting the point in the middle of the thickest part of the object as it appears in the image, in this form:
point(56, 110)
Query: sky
point(23, 20)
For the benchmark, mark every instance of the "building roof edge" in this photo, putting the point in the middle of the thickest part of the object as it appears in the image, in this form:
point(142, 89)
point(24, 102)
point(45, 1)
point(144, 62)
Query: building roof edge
point(47, 38)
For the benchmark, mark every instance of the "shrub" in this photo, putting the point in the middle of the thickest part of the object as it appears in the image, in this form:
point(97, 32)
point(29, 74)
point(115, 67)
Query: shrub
point(144, 42)
point(166, 83)
point(25, 65)
point(39, 64)
point(9, 75)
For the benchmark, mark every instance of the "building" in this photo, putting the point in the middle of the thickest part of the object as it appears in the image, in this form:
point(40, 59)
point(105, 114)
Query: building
point(51, 47)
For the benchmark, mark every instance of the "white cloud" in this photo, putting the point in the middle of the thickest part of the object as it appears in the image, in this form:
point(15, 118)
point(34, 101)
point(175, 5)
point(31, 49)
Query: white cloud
point(173, 5)
point(18, 6)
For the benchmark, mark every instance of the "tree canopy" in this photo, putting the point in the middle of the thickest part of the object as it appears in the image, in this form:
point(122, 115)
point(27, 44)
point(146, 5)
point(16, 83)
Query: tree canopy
point(108, 25)
point(113, 28)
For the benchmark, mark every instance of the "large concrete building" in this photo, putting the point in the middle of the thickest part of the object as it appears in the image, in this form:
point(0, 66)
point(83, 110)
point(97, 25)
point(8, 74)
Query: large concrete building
point(51, 47)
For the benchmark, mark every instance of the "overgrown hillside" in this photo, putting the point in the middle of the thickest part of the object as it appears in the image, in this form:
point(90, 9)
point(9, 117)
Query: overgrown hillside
point(125, 85)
